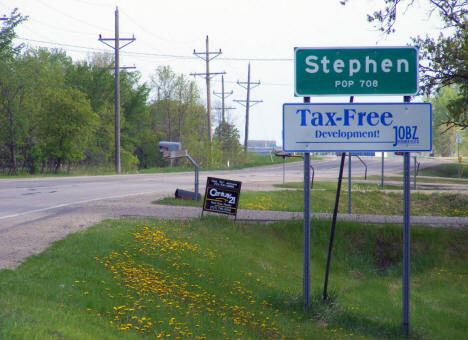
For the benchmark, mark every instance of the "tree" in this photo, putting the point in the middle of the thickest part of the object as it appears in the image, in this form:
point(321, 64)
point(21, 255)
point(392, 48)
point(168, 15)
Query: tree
point(98, 86)
point(164, 82)
point(44, 71)
point(8, 34)
point(138, 146)
point(176, 113)
point(66, 124)
point(443, 136)
point(12, 90)
point(227, 137)
point(13, 122)
point(444, 61)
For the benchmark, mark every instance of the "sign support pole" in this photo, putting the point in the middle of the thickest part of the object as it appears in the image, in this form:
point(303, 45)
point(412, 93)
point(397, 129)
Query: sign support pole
point(382, 178)
point(335, 213)
point(306, 227)
point(406, 239)
point(351, 100)
point(332, 231)
point(284, 168)
point(349, 183)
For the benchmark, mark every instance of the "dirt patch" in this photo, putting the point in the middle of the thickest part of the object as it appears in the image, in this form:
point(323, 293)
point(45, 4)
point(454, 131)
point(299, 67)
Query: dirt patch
point(387, 253)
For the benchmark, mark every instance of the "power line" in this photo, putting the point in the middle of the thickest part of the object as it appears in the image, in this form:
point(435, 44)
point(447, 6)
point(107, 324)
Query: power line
point(94, 3)
point(59, 28)
point(71, 17)
point(256, 59)
point(147, 54)
point(84, 49)
point(150, 54)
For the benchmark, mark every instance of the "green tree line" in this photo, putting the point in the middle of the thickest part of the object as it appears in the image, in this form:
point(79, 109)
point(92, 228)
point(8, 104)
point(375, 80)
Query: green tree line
point(59, 114)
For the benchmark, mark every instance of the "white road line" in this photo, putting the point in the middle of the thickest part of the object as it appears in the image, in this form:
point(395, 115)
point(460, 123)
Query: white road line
point(72, 203)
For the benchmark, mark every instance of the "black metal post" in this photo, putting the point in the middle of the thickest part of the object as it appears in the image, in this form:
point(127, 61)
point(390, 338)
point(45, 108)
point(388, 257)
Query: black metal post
point(332, 231)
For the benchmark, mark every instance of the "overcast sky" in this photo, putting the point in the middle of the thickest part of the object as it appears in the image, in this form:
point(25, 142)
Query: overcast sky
point(262, 31)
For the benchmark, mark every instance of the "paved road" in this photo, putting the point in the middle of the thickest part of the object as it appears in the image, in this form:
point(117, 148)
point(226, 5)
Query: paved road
point(36, 212)
point(28, 196)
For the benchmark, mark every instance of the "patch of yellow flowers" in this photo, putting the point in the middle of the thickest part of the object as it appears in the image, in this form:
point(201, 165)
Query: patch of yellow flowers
point(181, 290)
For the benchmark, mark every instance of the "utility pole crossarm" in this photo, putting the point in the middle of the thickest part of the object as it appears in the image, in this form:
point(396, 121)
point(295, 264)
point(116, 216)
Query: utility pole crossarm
point(252, 85)
point(113, 67)
point(130, 40)
point(203, 55)
point(223, 94)
point(103, 40)
point(251, 102)
point(205, 75)
point(226, 108)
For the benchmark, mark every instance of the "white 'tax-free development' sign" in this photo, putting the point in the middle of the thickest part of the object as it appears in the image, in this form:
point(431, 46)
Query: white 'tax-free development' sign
point(357, 127)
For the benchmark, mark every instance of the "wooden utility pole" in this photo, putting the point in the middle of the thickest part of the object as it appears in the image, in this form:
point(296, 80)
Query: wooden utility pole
point(223, 95)
point(207, 56)
point(117, 68)
point(248, 85)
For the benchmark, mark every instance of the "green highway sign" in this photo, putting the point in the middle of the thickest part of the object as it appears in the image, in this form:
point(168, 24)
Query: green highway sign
point(356, 71)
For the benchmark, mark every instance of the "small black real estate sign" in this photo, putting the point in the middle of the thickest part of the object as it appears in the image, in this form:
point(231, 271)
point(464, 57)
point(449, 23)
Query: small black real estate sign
point(221, 196)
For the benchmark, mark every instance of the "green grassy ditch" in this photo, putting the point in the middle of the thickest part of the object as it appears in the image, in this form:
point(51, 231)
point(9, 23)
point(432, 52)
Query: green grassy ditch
point(369, 200)
point(212, 278)
point(446, 170)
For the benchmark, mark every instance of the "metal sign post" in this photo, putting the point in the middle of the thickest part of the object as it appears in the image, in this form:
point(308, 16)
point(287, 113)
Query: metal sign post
point(458, 140)
point(335, 213)
point(306, 227)
point(406, 244)
point(406, 239)
point(284, 169)
point(382, 176)
point(332, 231)
point(349, 183)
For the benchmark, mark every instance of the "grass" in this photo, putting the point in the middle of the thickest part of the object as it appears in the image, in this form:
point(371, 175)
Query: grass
point(332, 186)
point(419, 179)
point(363, 202)
point(212, 278)
point(446, 173)
point(446, 170)
point(253, 161)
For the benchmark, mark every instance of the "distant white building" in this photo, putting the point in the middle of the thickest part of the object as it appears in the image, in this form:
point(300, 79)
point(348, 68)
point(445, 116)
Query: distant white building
point(261, 147)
